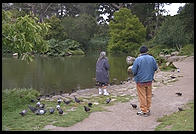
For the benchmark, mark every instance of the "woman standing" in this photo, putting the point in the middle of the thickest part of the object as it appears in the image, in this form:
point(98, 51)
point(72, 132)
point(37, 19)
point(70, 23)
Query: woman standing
point(102, 73)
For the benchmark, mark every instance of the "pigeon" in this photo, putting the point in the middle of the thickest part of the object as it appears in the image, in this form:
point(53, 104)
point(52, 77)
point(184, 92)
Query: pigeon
point(57, 107)
point(179, 94)
point(51, 110)
point(108, 100)
point(59, 101)
point(40, 111)
point(33, 109)
point(178, 70)
point(86, 108)
point(67, 102)
point(76, 100)
point(41, 105)
point(134, 105)
point(38, 104)
point(60, 111)
point(32, 100)
point(173, 77)
point(90, 104)
point(23, 112)
point(180, 109)
point(38, 98)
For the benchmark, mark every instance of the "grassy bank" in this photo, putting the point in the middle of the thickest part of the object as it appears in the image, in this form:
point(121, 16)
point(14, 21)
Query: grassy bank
point(16, 100)
point(178, 121)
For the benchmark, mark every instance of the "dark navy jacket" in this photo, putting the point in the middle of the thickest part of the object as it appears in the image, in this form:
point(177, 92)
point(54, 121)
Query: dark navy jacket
point(102, 70)
point(143, 68)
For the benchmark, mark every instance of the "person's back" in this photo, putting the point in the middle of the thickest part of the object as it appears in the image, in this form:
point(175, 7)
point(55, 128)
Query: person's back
point(143, 68)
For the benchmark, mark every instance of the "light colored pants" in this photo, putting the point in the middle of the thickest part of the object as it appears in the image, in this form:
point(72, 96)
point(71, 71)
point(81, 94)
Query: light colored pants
point(144, 91)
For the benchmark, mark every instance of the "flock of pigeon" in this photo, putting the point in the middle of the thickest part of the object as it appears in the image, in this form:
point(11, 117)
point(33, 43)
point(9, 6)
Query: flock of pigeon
point(40, 109)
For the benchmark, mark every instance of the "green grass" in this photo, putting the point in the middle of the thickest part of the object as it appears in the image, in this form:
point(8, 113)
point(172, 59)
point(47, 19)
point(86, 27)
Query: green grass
point(178, 121)
point(12, 104)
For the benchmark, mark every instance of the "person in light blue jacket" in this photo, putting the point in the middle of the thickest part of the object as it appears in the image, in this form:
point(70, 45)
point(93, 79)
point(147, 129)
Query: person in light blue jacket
point(143, 70)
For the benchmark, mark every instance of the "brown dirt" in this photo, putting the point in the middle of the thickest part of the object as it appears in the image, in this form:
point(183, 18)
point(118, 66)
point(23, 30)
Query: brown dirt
point(122, 117)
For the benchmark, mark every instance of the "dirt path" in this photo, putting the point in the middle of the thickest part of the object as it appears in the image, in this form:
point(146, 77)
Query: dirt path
point(121, 116)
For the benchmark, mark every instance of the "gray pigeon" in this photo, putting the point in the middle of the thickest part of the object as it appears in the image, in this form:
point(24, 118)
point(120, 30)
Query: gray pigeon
point(134, 105)
point(86, 108)
point(40, 111)
point(51, 110)
point(67, 102)
point(23, 112)
point(60, 111)
point(108, 100)
point(76, 100)
point(33, 109)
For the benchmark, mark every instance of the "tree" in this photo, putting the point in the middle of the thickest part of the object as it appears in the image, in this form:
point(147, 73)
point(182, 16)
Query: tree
point(186, 15)
point(56, 30)
point(126, 31)
point(81, 28)
point(172, 33)
point(23, 35)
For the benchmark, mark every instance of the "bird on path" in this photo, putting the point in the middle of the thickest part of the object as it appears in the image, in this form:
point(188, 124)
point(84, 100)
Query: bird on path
point(173, 77)
point(90, 104)
point(86, 108)
point(180, 109)
point(67, 102)
point(38, 104)
point(51, 110)
point(32, 100)
point(108, 100)
point(59, 101)
point(179, 94)
point(38, 98)
point(60, 111)
point(41, 105)
point(76, 99)
point(33, 109)
point(40, 111)
point(23, 112)
point(134, 105)
point(57, 107)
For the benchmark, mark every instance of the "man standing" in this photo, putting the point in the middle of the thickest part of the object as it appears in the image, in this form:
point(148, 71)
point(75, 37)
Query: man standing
point(143, 70)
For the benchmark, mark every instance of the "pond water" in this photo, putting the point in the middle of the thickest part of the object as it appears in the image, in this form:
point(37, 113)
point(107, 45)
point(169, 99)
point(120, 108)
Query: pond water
point(58, 74)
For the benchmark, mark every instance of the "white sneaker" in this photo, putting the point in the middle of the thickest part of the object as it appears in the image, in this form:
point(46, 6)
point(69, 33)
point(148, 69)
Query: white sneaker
point(100, 91)
point(105, 92)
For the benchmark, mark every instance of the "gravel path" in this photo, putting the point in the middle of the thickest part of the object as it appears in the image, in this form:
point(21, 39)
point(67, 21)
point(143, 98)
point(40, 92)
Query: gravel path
point(122, 117)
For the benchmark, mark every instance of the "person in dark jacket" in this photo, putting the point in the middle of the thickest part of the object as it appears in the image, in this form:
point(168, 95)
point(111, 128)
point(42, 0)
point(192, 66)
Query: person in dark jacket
point(102, 73)
point(143, 70)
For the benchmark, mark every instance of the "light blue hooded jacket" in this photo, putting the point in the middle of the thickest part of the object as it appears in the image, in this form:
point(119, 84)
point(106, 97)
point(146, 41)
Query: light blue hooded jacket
point(143, 68)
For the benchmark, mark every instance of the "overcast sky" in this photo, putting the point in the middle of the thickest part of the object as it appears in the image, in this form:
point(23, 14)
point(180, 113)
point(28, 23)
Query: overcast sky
point(173, 8)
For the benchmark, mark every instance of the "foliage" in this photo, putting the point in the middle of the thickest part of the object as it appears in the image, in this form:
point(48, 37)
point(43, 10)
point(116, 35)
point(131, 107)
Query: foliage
point(187, 50)
point(126, 31)
point(23, 35)
point(56, 30)
point(81, 28)
point(186, 16)
point(178, 121)
point(172, 33)
point(98, 44)
point(62, 48)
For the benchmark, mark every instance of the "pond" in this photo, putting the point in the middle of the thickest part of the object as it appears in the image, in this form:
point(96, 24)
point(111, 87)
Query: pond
point(58, 74)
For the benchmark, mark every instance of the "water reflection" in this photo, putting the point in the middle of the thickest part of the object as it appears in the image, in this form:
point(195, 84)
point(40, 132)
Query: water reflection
point(65, 74)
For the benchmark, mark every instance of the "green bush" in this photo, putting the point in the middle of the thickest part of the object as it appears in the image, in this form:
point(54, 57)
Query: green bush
point(63, 48)
point(187, 50)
